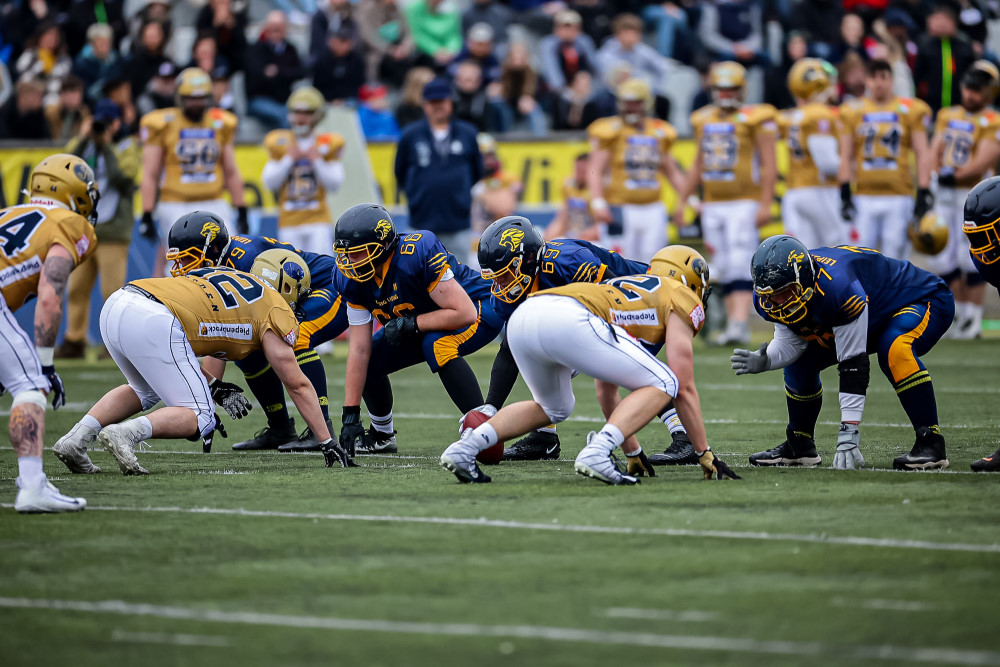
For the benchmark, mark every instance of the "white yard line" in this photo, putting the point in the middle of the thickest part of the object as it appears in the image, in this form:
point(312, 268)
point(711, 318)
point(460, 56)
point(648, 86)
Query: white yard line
point(661, 614)
point(840, 652)
point(125, 636)
point(884, 605)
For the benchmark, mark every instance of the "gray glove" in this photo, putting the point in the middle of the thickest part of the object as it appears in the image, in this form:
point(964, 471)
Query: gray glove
point(745, 361)
point(848, 456)
point(231, 398)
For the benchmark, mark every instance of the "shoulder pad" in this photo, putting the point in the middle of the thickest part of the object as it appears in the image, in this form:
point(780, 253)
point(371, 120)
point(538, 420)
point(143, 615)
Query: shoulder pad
point(702, 115)
point(227, 119)
point(761, 113)
point(329, 144)
point(662, 129)
point(605, 128)
point(277, 142)
point(157, 120)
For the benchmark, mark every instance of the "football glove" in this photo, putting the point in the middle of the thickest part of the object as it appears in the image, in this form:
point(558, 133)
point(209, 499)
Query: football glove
point(486, 409)
point(714, 467)
point(3, 389)
point(745, 361)
point(400, 328)
point(946, 177)
point(847, 209)
point(242, 224)
point(923, 203)
point(147, 228)
point(639, 465)
point(848, 456)
point(230, 397)
point(56, 388)
point(206, 441)
point(351, 430)
point(334, 453)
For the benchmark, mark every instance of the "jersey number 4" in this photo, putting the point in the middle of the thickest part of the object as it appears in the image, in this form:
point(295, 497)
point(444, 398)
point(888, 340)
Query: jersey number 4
point(15, 235)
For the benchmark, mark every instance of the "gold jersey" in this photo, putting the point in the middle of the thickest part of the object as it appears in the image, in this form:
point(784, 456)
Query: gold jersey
point(635, 157)
point(797, 126)
point(639, 304)
point(728, 142)
point(883, 138)
point(962, 132)
point(576, 199)
point(224, 312)
point(302, 199)
point(26, 234)
point(192, 152)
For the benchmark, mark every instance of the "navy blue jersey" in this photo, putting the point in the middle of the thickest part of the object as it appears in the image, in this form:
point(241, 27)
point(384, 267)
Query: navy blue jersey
point(243, 250)
point(410, 275)
point(989, 272)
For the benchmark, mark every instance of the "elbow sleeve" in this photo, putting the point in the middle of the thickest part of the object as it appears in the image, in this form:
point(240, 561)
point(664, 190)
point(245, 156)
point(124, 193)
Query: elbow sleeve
point(854, 375)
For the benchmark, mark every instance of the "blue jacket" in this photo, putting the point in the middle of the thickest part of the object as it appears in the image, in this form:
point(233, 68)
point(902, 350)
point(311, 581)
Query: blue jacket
point(438, 189)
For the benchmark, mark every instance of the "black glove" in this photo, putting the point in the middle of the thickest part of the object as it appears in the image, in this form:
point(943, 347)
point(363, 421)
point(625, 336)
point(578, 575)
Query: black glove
point(231, 398)
point(400, 328)
point(242, 224)
point(147, 228)
point(847, 209)
point(334, 453)
point(3, 389)
point(56, 389)
point(946, 177)
point(639, 465)
point(206, 441)
point(923, 203)
point(715, 468)
point(351, 430)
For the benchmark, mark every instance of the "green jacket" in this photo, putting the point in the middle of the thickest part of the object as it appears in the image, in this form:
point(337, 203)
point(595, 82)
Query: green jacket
point(123, 161)
point(434, 31)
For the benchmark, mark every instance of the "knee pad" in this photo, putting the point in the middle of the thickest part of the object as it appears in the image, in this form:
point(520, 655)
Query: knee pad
point(559, 413)
point(31, 396)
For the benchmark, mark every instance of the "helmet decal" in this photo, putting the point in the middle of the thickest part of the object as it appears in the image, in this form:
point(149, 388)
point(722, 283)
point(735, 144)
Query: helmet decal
point(210, 230)
point(382, 229)
point(511, 238)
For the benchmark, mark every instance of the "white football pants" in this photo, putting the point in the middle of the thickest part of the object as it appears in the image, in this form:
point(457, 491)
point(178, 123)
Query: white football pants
point(881, 221)
point(315, 237)
point(812, 215)
point(731, 237)
point(20, 369)
point(950, 205)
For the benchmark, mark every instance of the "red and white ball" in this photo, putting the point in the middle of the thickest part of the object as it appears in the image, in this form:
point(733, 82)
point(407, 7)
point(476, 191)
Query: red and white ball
point(492, 455)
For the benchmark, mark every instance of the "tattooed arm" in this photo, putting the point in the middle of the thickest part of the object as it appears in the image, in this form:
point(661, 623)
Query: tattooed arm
point(51, 292)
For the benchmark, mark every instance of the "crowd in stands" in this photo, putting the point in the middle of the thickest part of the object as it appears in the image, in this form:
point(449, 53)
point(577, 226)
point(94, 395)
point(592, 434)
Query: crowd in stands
point(518, 65)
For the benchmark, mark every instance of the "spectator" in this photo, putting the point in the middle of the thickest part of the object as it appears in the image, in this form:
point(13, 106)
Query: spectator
point(147, 55)
point(297, 11)
point(471, 103)
point(496, 195)
point(377, 122)
point(490, 12)
point(160, 92)
point(411, 108)
point(20, 21)
point(436, 31)
point(704, 95)
point(733, 30)
point(98, 61)
point(22, 117)
point(116, 164)
point(221, 93)
point(851, 77)
point(327, 19)
point(536, 15)
point(66, 118)
point(820, 20)
point(388, 43)
point(340, 71)
point(205, 54)
point(852, 35)
point(900, 27)
point(514, 98)
point(889, 49)
point(605, 100)
point(82, 15)
point(565, 52)
point(575, 108)
point(942, 55)
point(45, 60)
point(644, 62)
point(596, 16)
point(479, 49)
point(776, 88)
point(437, 163)
point(273, 65)
point(228, 26)
point(119, 91)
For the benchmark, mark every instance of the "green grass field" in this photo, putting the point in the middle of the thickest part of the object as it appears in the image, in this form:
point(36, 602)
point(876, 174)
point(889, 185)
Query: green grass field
point(266, 558)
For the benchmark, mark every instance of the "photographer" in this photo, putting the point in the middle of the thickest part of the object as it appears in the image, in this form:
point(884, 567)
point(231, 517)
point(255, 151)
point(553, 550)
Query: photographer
point(115, 160)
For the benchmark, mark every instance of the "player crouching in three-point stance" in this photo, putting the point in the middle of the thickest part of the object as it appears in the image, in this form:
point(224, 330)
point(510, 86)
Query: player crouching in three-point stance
point(41, 242)
point(156, 328)
point(596, 329)
point(837, 306)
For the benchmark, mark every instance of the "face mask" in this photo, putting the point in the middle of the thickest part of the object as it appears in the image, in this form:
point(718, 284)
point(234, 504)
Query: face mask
point(194, 115)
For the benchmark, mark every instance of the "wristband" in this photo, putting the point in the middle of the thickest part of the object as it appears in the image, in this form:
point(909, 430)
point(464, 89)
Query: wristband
point(326, 442)
point(845, 191)
point(352, 411)
point(45, 355)
point(599, 204)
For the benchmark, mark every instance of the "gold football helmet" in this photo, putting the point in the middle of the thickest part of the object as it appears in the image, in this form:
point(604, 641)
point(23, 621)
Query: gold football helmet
point(810, 77)
point(69, 180)
point(728, 75)
point(929, 235)
point(194, 82)
point(685, 265)
point(983, 75)
point(634, 90)
point(285, 271)
point(307, 100)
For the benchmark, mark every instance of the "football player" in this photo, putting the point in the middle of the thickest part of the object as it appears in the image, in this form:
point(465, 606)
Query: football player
point(575, 219)
point(836, 306)
point(736, 165)
point(322, 318)
point(432, 309)
point(982, 227)
point(156, 328)
point(628, 152)
point(41, 242)
point(303, 166)
point(965, 148)
point(188, 154)
point(811, 205)
point(496, 195)
point(877, 134)
point(595, 329)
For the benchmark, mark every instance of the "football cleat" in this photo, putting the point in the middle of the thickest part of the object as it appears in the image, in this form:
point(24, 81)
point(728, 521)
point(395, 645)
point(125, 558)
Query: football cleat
point(927, 453)
point(71, 449)
point(44, 498)
point(460, 459)
point(797, 450)
point(595, 461)
point(536, 446)
point(377, 442)
point(679, 453)
point(270, 437)
point(989, 463)
point(120, 440)
point(306, 442)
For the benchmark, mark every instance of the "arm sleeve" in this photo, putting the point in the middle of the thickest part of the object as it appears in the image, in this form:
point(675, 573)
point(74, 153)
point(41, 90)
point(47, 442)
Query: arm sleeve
point(825, 153)
point(853, 366)
point(357, 316)
point(329, 173)
point(785, 348)
point(503, 376)
point(276, 173)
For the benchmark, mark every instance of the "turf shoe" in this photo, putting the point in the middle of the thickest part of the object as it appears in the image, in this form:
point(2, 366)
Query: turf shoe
point(270, 437)
point(120, 440)
point(44, 498)
point(797, 450)
point(679, 453)
point(536, 446)
point(988, 464)
point(927, 453)
point(306, 442)
point(595, 461)
point(460, 459)
point(71, 449)
point(377, 442)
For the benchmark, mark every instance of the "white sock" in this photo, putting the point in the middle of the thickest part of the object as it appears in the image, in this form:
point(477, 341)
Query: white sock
point(975, 316)
point(144, 426)
point(612, 435)
point(672, 421)
point(382, 424)
point(91, 423)
point(962, 311)
point(484, 436)
point(30, 469)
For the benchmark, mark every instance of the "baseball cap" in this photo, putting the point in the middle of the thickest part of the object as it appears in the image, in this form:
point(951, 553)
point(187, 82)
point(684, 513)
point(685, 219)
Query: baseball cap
point(567, 17)
point(481, 32)
point(372, 91)
point(167, 70)
point(106, 111)
point(438, 89)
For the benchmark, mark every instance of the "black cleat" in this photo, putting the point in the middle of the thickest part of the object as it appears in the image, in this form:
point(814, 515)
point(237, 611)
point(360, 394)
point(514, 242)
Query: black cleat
point(306, 442)
point(269, 437)
point(988, 464)
point(536, 446)
point(376, 442)
point(797, 450)
point(927, 453)
point(679, 453)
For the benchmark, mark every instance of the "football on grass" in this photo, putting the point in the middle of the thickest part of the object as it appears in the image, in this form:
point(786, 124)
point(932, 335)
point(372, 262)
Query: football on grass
point(494, 454)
